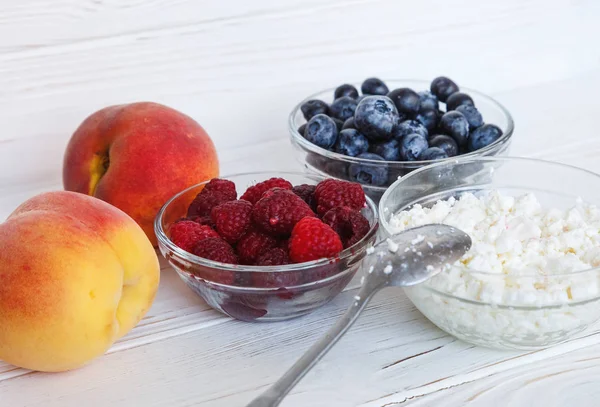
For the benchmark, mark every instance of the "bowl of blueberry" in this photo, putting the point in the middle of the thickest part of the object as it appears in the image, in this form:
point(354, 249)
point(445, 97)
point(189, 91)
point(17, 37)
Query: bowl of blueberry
point(267, 246)
point(375, 132)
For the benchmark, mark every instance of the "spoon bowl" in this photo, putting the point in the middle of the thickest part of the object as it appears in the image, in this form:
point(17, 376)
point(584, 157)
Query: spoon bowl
point(416, 255)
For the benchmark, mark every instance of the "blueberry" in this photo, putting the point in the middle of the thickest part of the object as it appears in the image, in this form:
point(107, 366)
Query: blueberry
point(455, 125)
point(301, 129)
point(371, 173)
point(472, 114)
point(321, 130)
point(374, 86)
point(328, 166)
point(433, 153)
point(428, 100)
point(444, 142)
point(428, 118)
point(345, 90)
point(349, 124)
point(484, 136)
point(314, 107)
point(412, 146)
point(351, 142)
point(458, 99)
point(409, 127)
point(343, 108)
point(389, 150)
point(443, 87)
point(406, 100)
point(338, 123)
point(337, 169)
point(376, 117)
point(361, 97)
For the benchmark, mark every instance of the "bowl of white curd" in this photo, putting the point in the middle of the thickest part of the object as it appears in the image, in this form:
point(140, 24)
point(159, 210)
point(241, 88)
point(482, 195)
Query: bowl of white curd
point(532, 276)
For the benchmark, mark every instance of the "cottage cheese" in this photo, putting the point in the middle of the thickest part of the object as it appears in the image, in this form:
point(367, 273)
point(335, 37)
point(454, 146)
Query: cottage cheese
point(529, 268)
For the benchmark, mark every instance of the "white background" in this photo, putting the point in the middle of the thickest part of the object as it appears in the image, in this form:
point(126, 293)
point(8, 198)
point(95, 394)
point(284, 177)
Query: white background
point(238, 67)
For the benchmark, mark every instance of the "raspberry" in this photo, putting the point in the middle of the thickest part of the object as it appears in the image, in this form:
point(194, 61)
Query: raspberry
point(273, 257)
point(331, 193)
point(307, 193)
point(271, 192)
point(215, 249)
point(322, 185)
point(223, 186)
point(279, 211)
point(186, 234)
point(255, 192)
point(245, 309)
point(312, 240)
point(253, 244)
point(349, 224)
point(284, 244)
point(232, 219)
point(215, 275)
point(276, 279)
point(205, 201)
point(202, 220)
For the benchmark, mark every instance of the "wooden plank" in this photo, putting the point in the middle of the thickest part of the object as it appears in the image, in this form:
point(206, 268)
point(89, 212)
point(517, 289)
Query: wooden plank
point(239, 68)
point(255, 62)
point(568, 379)
point(48, 23)
point(391, 350)
point(547, 131)
point(386, 364)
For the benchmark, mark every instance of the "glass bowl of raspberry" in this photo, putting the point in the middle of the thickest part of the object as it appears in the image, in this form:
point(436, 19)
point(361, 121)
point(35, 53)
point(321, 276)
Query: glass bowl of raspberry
point(267, 246)
point(377, 131)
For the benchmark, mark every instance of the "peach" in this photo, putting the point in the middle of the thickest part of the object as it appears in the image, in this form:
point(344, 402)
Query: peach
point(76, 274)
point(137, 156)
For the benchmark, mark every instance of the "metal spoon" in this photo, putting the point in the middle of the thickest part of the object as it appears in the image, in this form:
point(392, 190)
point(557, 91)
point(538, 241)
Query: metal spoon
point(406, 259)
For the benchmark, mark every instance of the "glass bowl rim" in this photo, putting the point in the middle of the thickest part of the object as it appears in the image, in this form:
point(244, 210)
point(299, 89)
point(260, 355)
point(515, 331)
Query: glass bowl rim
point(459, 160)
point(261, 290)
point(297, 137)
point(192, 258)
point(503, 306)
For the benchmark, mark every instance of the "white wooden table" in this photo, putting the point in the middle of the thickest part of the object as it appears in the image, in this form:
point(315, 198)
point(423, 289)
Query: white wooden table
point(238, 67)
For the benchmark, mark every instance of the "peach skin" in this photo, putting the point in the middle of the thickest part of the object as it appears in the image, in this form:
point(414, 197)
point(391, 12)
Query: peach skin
point(137, 156)
point(77, 274)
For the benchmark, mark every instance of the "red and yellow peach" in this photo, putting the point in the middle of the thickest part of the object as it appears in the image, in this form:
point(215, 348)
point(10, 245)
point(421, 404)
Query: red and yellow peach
point(76, 274)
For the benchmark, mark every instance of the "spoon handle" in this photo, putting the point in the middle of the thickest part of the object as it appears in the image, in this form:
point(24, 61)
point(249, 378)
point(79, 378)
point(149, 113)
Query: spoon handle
point(275, 394)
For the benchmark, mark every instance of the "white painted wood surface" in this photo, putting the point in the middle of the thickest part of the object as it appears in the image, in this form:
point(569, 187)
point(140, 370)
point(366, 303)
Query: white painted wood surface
point(239, 67)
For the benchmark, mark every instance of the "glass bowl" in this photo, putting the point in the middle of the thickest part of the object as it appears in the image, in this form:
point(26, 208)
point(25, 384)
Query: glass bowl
point(289, 291)
point(564, 304)
point(327, 163)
